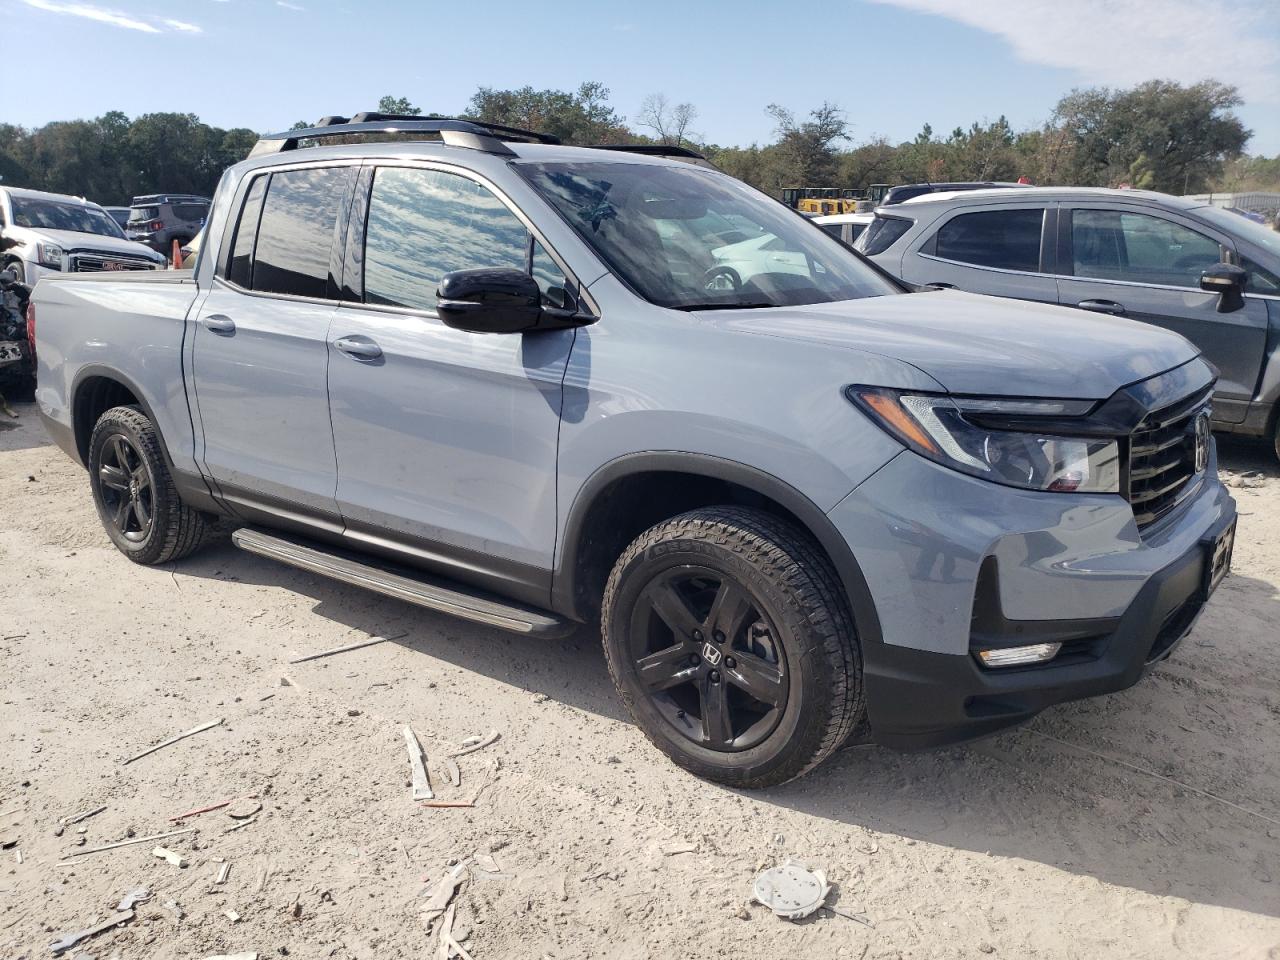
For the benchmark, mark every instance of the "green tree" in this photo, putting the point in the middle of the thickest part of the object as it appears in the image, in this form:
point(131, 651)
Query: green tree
point(583, 116)
point(807, 147)
point(398, 105)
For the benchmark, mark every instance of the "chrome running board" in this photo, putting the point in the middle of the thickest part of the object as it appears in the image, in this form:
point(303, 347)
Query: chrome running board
point(419, 589)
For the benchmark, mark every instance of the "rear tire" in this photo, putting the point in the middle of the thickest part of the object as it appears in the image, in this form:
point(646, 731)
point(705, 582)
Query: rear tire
point(731, 643)
point(134, 492)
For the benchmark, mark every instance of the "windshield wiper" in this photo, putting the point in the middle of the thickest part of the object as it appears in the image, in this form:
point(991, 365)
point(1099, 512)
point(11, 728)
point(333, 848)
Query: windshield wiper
point(746, 305)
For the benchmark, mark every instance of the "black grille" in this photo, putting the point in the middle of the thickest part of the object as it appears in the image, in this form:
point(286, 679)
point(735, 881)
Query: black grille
point(1162, 458)
point(98, 262)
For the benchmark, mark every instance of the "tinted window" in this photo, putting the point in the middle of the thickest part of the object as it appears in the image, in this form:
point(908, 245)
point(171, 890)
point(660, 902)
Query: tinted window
point(831, 228)
point(139, 214)
point(855, 231)
point(882, 233)
point(550, 278)
point(671, 232)
point(240, 267)
point(295, 236)
point(190, 211)
point(1114, 245)
point(426, 223)
point(1008, 239)
point(1261, 280)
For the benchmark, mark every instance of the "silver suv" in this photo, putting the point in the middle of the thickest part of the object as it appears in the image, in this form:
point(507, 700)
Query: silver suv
point(1206, 273)
point(533, 386)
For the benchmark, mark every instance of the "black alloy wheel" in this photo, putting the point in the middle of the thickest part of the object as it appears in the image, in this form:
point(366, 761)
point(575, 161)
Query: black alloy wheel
point(127, 492)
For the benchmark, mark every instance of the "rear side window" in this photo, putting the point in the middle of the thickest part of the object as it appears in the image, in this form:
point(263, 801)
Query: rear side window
point(296, 233)
point(137, 214)
point(1116, 245)
point(882, 233)
point(190, 211)
point(831, 228)
point(426, 223)
point(1007, 239)
point(240, 266)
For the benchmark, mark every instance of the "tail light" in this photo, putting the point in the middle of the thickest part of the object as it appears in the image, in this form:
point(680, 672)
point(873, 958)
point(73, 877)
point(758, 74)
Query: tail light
point(31, 330)
point(156, 225)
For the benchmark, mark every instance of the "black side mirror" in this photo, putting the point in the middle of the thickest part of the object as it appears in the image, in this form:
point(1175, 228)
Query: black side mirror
point(500, 300)
point(1229, 281)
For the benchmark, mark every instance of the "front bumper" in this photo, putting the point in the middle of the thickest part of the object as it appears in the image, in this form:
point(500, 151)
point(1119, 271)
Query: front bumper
point(954, 564)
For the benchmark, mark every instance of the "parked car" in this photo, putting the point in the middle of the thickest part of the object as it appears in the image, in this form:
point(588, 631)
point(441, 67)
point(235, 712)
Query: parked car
point(806, 509)
point(1202, 271)
point(43, 233)
point(845, 227)
point(119, 214)
point(908, 191)
point(159, 219)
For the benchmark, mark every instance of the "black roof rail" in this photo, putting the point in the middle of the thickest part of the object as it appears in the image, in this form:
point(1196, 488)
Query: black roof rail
point(474, 134)
point(657, 150)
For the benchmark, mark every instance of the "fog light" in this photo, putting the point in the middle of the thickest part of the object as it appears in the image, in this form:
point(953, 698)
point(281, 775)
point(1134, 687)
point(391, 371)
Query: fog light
point(1019, 656)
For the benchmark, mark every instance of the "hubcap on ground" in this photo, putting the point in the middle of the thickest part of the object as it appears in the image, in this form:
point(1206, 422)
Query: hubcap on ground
point(126, 488)
point(708, 658)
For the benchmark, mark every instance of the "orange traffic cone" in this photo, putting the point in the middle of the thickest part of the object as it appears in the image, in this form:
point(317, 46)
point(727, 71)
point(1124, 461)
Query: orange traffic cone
point(176, 259)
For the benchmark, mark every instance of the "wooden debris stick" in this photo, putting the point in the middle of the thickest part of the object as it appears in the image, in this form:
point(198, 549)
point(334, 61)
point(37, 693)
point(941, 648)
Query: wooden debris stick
point(447, 803)
point(418, 764)
point(68, 821)
point(242, 823)
point(348, 648)
point(212, 807)
point(172, 740)
point(224, 871)
point(130, 842)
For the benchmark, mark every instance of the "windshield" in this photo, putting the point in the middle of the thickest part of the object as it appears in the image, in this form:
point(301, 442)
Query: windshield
point(692, 239)
point(139, 214)
point(52, 215)
point(1242, 227)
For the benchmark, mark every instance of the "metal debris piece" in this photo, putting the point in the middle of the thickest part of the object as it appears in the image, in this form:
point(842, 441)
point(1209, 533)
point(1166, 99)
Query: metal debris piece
point(855, 917)
point(134, 897)
point(791, 891)
point(348, 648)
point(68, 940)
point(173, 907)
point(169, 856)
point(418, 764)
point(224, 871)
point(244, 808)
point(472, 744)
point(442, 894)
point(130, 842)
point(68, 821)
point(172, 740)
point(454, 771)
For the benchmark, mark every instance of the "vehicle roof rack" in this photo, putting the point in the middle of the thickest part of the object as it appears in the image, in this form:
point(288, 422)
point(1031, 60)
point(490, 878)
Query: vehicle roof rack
point(473, 134)
point(657, 150)
point(167, 197)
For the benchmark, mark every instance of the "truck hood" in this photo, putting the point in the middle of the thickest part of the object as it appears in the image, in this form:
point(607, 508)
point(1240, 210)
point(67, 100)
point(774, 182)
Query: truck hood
point(973, 344)
point(74, 240)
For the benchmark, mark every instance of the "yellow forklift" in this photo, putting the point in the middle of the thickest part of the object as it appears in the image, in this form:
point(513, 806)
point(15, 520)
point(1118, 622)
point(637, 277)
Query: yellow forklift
point(825, 201)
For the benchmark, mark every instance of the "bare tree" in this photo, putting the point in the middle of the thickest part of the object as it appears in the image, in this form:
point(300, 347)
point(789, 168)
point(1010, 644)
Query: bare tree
point(669, 123)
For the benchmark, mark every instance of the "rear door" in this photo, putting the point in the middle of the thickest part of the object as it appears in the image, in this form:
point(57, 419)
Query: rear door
point(446, 440)
point(1002, 250)
point(1144, 264)
point(260, 352)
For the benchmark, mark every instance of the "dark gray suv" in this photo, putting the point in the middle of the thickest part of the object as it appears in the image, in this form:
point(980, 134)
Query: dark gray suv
point(159, 219)
point(1206, 273)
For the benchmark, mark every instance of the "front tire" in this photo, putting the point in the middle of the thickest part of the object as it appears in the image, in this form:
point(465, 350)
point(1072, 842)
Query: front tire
point(134, 492)
point(731, 643)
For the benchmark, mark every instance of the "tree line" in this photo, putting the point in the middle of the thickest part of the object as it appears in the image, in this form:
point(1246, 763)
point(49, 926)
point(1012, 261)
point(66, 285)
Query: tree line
point(1158, 135)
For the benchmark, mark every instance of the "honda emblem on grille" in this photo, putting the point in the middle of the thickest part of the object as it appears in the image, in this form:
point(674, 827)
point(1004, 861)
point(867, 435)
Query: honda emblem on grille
point(710, 654)
point(1203, 430)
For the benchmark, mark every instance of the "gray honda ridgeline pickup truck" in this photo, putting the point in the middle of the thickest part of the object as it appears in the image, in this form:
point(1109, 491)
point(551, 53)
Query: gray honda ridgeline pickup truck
point(533, 385)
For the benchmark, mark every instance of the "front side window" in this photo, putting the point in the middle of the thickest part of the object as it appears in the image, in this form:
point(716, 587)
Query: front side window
point(1005, 239)
point(1135, 247)
point(692, 239)
point(426, 223)
point(882, 233)
point(1261, 280)
point(296, 233)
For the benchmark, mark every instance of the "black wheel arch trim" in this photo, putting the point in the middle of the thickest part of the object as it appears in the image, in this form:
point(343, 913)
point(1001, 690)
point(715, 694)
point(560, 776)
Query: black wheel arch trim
point(192, 488)
point(564, 590)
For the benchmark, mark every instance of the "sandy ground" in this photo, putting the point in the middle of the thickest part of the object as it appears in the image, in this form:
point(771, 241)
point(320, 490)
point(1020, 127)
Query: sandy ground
point(1043, 842)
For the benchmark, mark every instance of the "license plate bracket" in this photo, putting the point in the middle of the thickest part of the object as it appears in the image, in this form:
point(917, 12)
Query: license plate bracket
point(1217, 560)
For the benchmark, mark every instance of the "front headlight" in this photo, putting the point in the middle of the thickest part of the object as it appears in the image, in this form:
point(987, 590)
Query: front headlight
point(949, 431)
point(49, 255)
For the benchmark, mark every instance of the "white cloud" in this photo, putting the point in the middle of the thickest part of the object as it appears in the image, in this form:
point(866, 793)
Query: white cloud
point(289, 6)
point(1122, 44)
point(182, 26)
point(88, 12)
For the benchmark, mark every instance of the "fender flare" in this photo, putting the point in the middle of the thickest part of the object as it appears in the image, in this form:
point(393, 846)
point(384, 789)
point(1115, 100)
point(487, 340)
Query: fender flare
point(811, 517)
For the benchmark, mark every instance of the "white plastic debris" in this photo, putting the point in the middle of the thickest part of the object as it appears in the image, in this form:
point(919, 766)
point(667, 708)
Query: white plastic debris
point(791, 891)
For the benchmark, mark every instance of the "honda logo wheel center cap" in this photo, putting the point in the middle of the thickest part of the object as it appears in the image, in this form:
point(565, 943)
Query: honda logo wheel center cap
point(711, 654)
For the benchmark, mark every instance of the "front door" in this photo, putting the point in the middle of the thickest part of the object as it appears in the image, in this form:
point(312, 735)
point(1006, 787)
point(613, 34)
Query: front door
point(446, 440)
point(1146, 267)
point(261, 347)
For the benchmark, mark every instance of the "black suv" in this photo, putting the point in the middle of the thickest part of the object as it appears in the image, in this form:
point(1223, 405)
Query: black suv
point(159, 219)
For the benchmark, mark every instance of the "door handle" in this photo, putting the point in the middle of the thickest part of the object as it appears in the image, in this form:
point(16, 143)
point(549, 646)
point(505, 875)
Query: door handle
point(360, 348)
point(217, 323)
point(1102, 306)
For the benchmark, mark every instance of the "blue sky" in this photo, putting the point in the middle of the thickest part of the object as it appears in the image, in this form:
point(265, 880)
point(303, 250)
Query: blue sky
point(891, 64)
